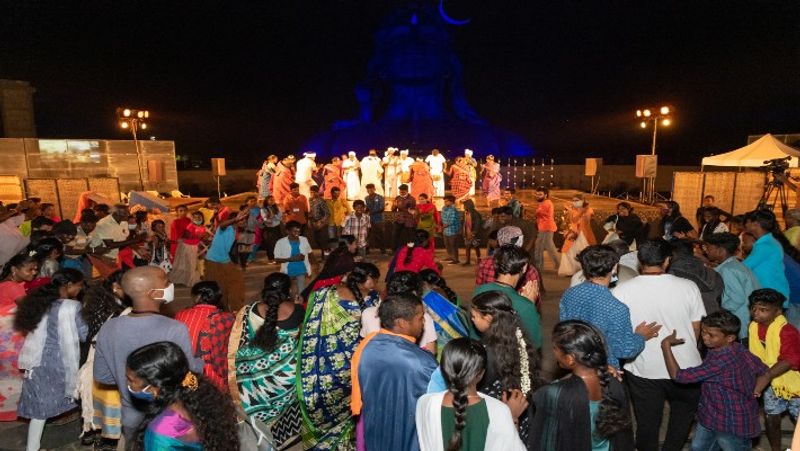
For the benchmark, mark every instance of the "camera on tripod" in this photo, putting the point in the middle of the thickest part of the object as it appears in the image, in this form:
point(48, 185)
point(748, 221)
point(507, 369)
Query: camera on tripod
point(776, 166)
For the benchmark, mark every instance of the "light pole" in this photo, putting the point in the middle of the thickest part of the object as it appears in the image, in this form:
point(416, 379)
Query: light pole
point(663, 116)
point(133, 120)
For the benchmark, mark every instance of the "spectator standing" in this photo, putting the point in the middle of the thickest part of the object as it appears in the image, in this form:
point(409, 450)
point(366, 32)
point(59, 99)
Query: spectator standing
point(176, 229)
point(295, 207)
point(319, 216)
point(675, 304)
point(451, 228)
point(546, 227)
point(685, 265)
point(357, 224)
point(766, 258)
point(375, 206)
point(292, 253)
point(792, 232)
point(473, 224)
point(339, 210)
point(271, 220)
point(219, 267)
point(405, 221)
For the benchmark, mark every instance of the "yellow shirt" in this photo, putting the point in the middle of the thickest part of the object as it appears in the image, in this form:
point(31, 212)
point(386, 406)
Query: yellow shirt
point(208, 213)
point(339, 210)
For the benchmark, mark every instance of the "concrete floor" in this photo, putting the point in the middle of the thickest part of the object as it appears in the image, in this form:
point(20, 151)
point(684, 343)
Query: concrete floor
point(460, 279)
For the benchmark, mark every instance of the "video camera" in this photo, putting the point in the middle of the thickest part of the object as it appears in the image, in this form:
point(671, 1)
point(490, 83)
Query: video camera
point(777, 166)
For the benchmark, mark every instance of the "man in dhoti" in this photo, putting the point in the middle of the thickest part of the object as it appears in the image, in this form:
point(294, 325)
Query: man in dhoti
point(391, 164)
point(371, 170)
point(304, 172)
point(405, 167)
point(473, 170)
point(438, 165)
point(350, 166)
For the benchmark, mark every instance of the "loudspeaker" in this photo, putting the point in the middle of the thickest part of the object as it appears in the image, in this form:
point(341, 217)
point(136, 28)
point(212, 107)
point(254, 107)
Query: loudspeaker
point(592, 166)
point(218, 167)
point(155, 171)
point(646, 166)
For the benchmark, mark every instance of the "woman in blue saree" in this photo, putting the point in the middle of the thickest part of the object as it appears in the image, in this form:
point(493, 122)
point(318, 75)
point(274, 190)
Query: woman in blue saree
point(443, 305)
point(329, 336)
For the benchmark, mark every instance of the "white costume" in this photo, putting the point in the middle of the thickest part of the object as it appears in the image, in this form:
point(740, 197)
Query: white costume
point(391, 172)
point(351, 179)
point(405, 167)
point(371, 170)
point(473, 172)
point(304, 170)
point(436, 163)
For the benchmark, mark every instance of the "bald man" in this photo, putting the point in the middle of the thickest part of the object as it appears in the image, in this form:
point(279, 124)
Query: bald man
point(149, 288)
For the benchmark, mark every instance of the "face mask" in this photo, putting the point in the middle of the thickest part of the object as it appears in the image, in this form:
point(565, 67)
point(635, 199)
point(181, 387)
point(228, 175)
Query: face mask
point(131, 226)
point(577, 203)
point(198, 222)
point(143, 395)
point(169, 294)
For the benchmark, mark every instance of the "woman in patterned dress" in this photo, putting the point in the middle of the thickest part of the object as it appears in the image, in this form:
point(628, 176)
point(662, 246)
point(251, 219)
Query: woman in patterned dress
point(491, 181)
point(262, 359)
point(333, 177)
point(460, 181)
point(264, 176)
point(329, 336)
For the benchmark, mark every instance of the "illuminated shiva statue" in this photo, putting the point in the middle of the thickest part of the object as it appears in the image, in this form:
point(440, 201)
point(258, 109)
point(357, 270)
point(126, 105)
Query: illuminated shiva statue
point(413, 96)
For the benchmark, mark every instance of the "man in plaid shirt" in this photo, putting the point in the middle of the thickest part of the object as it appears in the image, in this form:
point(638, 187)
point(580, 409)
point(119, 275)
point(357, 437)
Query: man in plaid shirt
point(357, 224)
point(728, 411)
point(451, 221)
point(318, 218)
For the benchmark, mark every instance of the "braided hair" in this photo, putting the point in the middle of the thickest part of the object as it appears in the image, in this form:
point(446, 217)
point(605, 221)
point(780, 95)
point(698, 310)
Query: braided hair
point(275, 292)
point(463, 362)
point(430, 277)
point(587, 345)
point(358, 276)
point(421, 239)
point(35, 304)
point(100, 303)
point(503, 339)
point(404, 282)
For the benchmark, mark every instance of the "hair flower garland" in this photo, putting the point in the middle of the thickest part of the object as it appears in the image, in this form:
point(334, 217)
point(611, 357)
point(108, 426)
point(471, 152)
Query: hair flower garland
point(524, 364)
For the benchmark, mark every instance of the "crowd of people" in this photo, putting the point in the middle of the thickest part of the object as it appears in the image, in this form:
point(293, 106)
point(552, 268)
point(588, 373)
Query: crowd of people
point(705, 318)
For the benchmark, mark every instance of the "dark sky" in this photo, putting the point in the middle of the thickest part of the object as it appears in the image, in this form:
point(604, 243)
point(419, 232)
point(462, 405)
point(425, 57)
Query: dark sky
point(242, 79)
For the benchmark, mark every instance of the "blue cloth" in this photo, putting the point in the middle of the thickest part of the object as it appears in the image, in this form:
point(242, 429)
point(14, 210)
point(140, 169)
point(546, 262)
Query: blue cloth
point(393, 373)
point(295, 268)
point(375, 206)
point(766, 262)
point(221, 244)
point(793, 276)
point(437, 383)
point(452, 220)
point(739, 283)
point(596, 305)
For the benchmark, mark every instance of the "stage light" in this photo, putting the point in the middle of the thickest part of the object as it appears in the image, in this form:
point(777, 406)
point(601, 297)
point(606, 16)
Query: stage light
point(140, 114)
point(666, 122)
point(638, 113)
point(646, 113)
point(664, 110)
point(126, 112)
point(643, 124)
point(144, 126)
point(146, 114)
point(123, 124)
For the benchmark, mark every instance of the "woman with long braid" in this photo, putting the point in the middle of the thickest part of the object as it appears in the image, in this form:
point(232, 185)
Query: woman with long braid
point(587, 409)
point(262, 360)
point(462, 418)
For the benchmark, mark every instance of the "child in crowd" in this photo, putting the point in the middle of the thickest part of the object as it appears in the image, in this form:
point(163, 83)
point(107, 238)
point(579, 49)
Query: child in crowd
point(461, 417)
point(48, 252)
point(50, 318)
point(177, 402)
point(270, 224)
point(187, 268)
point(777, 343)
point(587, 409)
point(728, 413)
point(159, 246)
point(358, 224)
point(292, 252)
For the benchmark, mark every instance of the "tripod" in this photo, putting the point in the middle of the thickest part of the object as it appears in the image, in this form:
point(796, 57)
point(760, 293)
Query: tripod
point(776, 188)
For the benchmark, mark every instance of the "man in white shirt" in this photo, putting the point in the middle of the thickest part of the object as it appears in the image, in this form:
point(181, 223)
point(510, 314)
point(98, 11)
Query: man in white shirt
point(438, 165)
point(371, 170)
point(114, 231)
point(676, 304)
point(304, 170)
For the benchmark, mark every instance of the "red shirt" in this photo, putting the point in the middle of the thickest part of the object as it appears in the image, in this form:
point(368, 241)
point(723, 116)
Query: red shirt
point(545, 217)
point(790, 344)
point(209, 330)
point(176, 230)
point(421, 259)
point(296, 208)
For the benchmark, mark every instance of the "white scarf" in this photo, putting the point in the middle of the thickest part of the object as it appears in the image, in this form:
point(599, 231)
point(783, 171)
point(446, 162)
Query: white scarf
point(30, 356)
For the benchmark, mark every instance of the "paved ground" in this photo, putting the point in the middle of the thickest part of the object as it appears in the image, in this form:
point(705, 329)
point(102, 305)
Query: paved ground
point(461, 279)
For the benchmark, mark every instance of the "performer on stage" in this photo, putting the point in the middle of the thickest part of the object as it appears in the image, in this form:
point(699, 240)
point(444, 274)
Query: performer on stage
point(405, 167)
point(264, 177)
point(371, 170)
point(284, 177)
point(305, 170)
point(391, 168)
point(351, 179)
point(333, 176)
point(459, 180)
point(420, 178)
point(438, 164)
point(472, 165)
point(490, 185)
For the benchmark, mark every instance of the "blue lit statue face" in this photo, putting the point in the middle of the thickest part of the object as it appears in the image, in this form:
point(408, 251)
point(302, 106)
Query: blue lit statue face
point(413, 54)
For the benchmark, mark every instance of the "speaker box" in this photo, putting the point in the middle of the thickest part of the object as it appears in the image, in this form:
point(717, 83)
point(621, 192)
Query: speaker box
point(218, 167)
point(592, 166)
point(155, 171)
point(646, 166)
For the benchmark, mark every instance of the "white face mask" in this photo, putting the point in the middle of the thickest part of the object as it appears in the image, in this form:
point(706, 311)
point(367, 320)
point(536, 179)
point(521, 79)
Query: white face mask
point(577, 203)
point(169, 294)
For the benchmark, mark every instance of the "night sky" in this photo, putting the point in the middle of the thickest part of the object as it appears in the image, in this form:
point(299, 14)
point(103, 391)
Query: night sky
point(245, 79)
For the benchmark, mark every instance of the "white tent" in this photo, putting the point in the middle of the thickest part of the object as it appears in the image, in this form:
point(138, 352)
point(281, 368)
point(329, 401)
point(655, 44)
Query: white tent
point(755, 154)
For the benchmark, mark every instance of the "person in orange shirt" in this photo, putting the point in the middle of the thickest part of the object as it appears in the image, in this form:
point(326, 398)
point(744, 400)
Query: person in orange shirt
point(546, 225)
point(295, 206)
